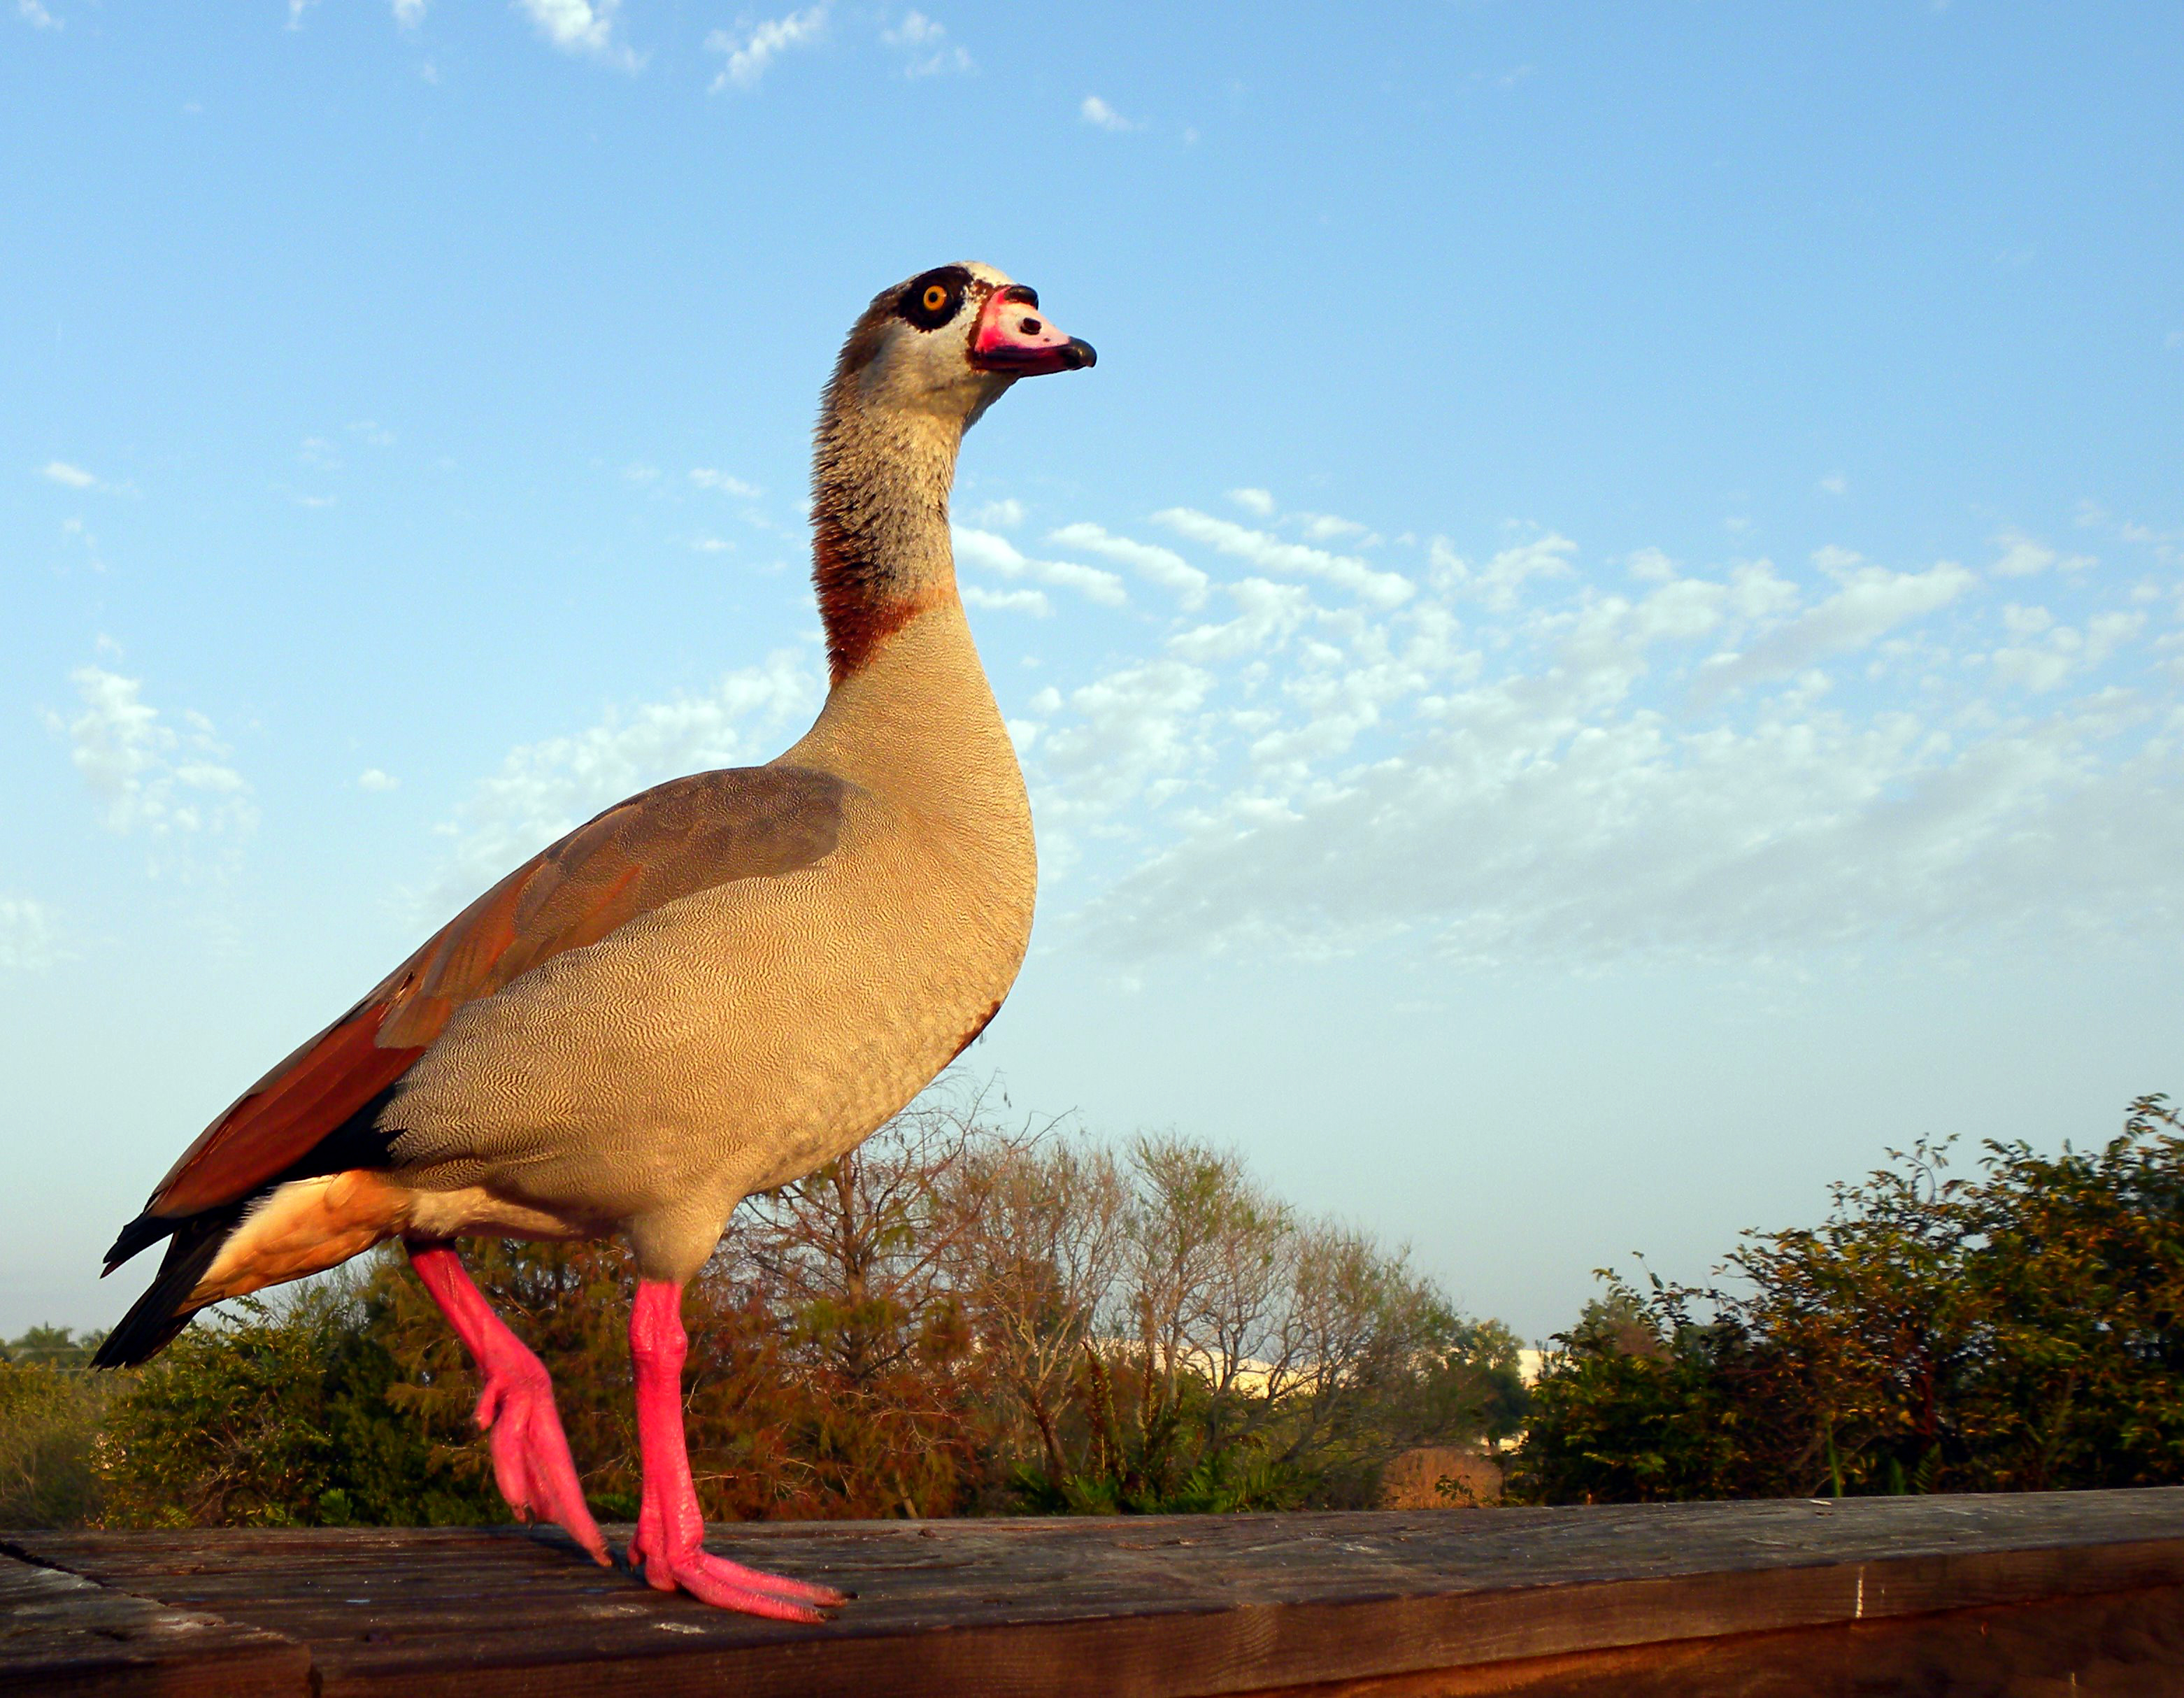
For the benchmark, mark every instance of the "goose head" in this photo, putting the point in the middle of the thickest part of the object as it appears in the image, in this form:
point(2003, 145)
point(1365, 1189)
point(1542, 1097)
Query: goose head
point(950, 341)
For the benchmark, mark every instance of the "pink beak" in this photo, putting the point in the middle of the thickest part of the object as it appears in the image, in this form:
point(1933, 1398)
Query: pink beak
point(1012, 338)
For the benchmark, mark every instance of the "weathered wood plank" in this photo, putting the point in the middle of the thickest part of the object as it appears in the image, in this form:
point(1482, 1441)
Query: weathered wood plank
point(2125, 1645)
point(67, 1636)
point(1180, 1606)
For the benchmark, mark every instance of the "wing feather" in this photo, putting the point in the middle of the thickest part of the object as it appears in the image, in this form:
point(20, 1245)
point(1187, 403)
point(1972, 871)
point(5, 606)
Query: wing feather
point(680, 837)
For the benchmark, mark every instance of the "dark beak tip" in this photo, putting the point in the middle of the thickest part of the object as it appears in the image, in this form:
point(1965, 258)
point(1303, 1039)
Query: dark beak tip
point(1078, 356)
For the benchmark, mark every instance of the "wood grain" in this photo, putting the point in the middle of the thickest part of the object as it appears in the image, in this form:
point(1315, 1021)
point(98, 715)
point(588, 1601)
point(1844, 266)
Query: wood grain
point(62, 1635)
point(1453, 1601)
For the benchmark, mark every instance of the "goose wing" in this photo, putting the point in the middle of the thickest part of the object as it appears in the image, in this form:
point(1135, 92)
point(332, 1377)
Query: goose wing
point(680, 837)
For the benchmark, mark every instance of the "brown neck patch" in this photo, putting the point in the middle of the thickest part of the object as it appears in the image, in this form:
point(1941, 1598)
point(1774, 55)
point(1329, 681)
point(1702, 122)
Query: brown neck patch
point(861, 603)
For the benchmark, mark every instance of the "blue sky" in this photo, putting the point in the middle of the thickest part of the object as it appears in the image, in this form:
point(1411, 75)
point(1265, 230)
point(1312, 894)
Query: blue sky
point(1604, 642)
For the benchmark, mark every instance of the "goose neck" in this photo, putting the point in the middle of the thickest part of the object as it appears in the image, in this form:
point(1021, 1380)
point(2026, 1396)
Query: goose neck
point(879, 511)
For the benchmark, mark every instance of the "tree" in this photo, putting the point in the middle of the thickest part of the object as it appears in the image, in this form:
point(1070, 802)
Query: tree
point(278, 1414)
point(2017, 1330)
point(961, 1314)
point(1227, 1355)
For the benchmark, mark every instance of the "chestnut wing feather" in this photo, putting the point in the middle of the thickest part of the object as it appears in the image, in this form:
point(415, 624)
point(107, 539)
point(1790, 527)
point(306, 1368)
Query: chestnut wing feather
point(674, 840)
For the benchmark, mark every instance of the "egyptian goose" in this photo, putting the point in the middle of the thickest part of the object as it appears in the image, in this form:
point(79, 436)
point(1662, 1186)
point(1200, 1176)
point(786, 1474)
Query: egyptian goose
point(710, 990)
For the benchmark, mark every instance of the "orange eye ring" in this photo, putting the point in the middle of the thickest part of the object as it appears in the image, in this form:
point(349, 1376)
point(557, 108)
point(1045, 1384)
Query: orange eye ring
point(935, 297)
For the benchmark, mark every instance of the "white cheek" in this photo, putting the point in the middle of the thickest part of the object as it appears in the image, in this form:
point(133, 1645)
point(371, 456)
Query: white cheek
point(918, 368)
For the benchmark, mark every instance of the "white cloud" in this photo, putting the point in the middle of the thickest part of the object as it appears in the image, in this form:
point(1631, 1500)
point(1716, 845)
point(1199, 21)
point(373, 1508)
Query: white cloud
point(409, 13)
point(1125, 732)
point(73, 477)
point(1031, 601)
point(546, 788)
point(1097, 113)
point(1870, 601)
point(296, 10)
point(924, 40)
point(29, 937)
point(2022, 557)
point(1500, 581)
point(371, 778)
point(706, 477)
point(1835, 483)
point(581, 26)
point(751, 51)
point(1270, 613)
point(1271, 553)
point(32, 12)
point(1258, 501)
point(993, 553)
point(1005, 514)
point(1661, 768)
point(1327, 527)
point(1525, 831)
point(1156, 564)
point(2047, 656)
point(149, 776)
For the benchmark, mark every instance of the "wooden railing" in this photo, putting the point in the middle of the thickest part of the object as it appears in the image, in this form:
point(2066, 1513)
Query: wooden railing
point(2041, 1594)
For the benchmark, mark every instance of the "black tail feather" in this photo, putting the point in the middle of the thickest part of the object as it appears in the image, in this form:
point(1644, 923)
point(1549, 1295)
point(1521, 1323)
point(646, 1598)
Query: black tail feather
point(146, 1230)
point(164, 1309)
point(156, 1317)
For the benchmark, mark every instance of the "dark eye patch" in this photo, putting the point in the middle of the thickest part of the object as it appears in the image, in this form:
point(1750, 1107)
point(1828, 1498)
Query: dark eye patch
point(930, 301)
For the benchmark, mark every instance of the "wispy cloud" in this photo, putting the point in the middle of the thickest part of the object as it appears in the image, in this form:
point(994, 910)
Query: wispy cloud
point(753, 49)
point(36, 15)
point(1257, 501)
point(547, 787)
point(1004, 515)
point(1501, 582)
point(29, 938)
point(706, 477)
point(409, 13)
point(1869, 602)
point(925, 43)
point(1031, 601)
point(1271, 553)
point(582, 26)
point(1516, 762)
point(984, 549)
point(2044, 655)
point(2022, 557)
point(1156, 564)
point(149, 776)
point(1099, 115)
point(69, 476)
point(372, 778)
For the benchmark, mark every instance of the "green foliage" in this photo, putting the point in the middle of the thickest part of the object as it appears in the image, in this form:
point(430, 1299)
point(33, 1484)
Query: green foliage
point(49, 1422)
point(279, 1416)
point(2022, 1330)
point(52, 1347)
point(951, 1319)
point(1224, 1353)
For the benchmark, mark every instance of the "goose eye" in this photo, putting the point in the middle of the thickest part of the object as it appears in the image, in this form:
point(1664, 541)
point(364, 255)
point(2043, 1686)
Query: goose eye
point(934, 300)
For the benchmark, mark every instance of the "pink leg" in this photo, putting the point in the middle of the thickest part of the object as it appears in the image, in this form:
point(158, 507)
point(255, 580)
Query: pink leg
point(531, 1460)
point(670, 1530)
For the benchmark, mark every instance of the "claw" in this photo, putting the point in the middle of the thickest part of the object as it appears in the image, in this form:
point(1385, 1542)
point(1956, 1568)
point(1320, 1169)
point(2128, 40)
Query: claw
point(731, 1586)
point(531, 1460)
